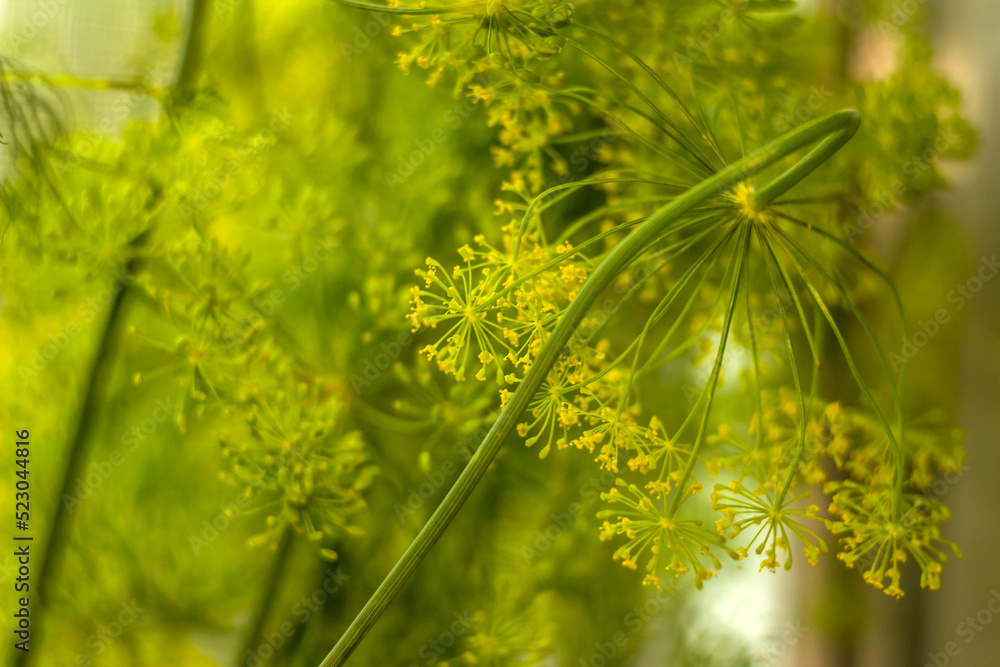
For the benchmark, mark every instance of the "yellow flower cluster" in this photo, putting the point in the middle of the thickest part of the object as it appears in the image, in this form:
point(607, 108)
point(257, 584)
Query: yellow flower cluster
point(775, 513)
point(875, 536)
point(667, 543)
point(296, 459)
point(496, 307)
point(481, 36)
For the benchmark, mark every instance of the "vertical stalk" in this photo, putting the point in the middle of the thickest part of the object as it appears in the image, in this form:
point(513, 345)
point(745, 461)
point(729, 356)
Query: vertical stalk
point(100, 370)
point(246, 48)
point(309, 641)
point(194, 44)
point(835, 130)
point(255, 629)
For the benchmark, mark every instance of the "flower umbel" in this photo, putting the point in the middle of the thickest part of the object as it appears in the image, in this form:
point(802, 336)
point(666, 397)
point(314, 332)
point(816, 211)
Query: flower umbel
point(872, 537)
point(777, 517)
point(673, 544)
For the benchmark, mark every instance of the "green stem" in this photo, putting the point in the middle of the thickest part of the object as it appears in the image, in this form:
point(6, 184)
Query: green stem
point(814, 158)
point(253, 637)
point(99, 371)
point(194, 45)
point(838, 127)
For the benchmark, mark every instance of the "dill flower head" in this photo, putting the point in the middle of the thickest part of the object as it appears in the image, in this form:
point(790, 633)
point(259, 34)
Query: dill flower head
point(480, 36)
point(302, 466)
point(497, 307)
point(499, 51)
point(507, 637)
point(742, 198)
point(667, 543)
point(776, 515)
point(873, 535)
point(612, 433)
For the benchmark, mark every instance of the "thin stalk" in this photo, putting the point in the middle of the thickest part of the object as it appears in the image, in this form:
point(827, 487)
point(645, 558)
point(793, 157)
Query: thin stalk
point(100, 370)
point(841, 125)
point(705, 133)
point(245, 28)
point(194, 44)
point(310, 640)
point(675, 134)
point(252, 638)
point(708, 393)
point(803, 415)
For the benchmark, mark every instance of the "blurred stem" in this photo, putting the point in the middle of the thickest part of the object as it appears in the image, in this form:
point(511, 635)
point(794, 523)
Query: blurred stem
point(310, 642)
point(100, 370)
point(255, 629)
point(834, 130)
point(194, 44)
point(246, 40)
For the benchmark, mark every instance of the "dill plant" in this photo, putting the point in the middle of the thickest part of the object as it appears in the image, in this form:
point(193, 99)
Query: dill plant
point(686, 195)
point(674, 285)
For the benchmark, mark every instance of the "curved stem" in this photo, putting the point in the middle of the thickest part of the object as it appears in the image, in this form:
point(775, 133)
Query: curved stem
point(841, 125)
point(806, 165)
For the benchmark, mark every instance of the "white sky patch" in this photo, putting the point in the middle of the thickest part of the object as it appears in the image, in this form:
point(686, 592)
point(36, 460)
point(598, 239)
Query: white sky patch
point(748, 604)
